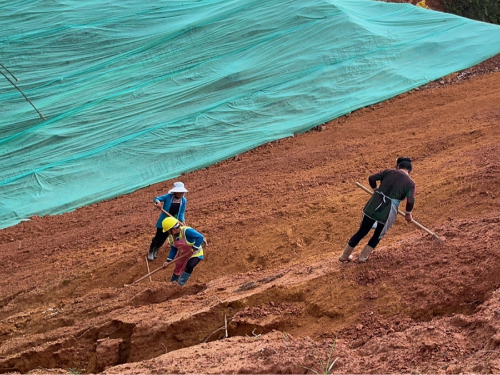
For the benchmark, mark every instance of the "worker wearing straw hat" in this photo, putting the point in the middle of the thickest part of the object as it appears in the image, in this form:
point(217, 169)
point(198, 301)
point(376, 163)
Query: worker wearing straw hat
point(382, 208)
point(173, 203)
point(185, 245)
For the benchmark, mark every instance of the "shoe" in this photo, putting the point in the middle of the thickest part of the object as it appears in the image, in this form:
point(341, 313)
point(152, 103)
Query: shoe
point(151, 254)
point(155, 253)
point(346, 255)
point(363, 257)
point(174, 278)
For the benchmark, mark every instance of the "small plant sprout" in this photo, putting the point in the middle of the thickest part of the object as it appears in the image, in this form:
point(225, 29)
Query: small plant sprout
point(324, 367)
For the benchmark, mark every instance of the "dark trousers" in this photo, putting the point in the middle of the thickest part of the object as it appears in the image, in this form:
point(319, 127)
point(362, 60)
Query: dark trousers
point(159, 239)
point(364, 228)
point(192, 262)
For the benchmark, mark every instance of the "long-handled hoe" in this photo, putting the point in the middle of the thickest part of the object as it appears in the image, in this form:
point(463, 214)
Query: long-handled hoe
point(160, 268)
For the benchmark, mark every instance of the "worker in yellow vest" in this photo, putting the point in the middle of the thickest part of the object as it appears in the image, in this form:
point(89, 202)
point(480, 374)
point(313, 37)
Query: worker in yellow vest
point(185, 245)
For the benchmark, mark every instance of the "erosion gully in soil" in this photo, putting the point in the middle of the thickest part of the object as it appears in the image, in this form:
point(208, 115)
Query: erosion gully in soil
point(271, 296)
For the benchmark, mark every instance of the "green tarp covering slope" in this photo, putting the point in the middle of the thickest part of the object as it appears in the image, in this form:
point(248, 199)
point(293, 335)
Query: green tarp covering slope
point(136, 92)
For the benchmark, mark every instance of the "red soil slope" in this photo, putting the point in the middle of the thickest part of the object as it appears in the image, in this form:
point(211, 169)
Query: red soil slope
point(271, 296)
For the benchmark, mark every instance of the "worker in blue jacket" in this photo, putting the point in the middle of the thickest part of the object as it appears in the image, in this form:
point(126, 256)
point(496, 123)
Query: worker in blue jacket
point(174, 203)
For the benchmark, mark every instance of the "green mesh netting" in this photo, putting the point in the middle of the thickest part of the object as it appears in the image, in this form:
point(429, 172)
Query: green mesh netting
point(136, 92)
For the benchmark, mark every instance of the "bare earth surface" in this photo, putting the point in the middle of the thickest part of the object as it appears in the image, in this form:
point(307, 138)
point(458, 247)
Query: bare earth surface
point(271, 296)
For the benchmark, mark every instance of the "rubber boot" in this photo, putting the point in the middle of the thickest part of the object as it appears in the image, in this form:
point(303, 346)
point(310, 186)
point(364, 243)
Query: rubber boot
point(184, 278)
point(365, 254)
point(174, 278)
point(346, 255)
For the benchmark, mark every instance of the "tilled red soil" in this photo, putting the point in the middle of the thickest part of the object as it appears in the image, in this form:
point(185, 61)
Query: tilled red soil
point(271, 297)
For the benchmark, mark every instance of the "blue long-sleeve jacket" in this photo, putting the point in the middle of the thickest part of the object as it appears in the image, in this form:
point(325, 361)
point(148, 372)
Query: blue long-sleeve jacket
point(167, 199)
